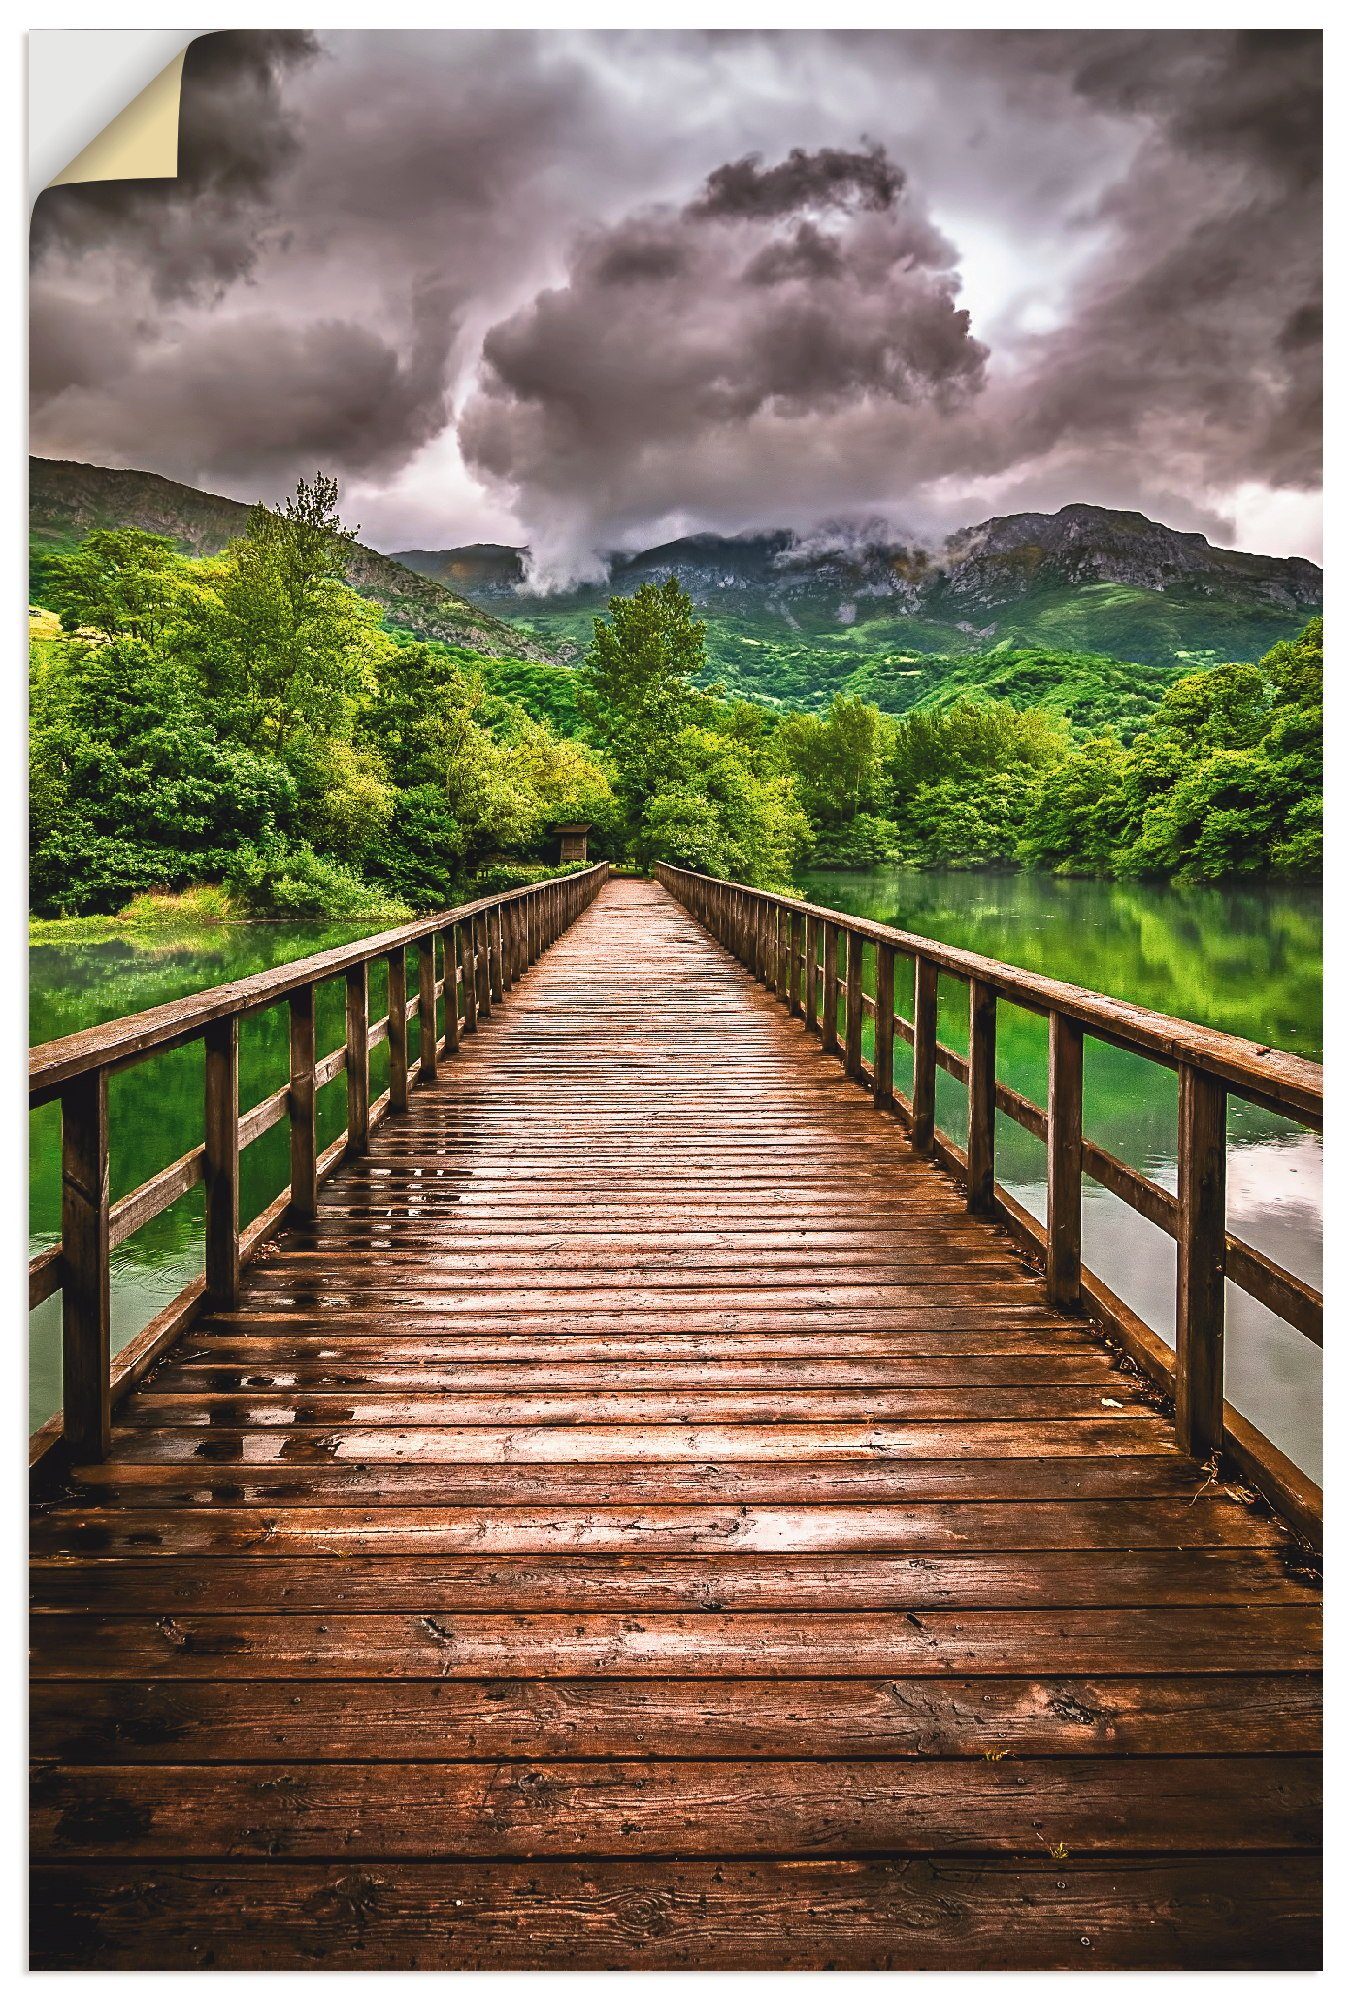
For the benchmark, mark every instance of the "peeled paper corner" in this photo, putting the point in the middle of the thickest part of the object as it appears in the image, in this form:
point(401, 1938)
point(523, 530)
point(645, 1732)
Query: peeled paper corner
point(141, 143)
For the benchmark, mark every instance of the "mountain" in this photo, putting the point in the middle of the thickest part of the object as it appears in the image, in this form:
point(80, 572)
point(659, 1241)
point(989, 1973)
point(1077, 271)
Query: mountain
point(67, 500)
point(794, 618)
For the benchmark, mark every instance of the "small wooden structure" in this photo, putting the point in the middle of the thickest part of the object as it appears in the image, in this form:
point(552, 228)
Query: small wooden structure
point(573, 840)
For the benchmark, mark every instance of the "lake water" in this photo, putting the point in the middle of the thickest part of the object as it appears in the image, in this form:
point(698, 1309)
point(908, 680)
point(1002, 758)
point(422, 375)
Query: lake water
point(1245, 960)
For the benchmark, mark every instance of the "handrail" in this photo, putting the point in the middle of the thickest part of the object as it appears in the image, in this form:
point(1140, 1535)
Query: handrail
point(795, 948)
point(484, 947)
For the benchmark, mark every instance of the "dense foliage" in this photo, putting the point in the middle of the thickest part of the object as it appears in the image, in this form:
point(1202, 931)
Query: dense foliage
point(246, 719)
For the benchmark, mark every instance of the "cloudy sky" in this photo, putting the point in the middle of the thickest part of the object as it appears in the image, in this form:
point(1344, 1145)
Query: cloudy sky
point(594, 290)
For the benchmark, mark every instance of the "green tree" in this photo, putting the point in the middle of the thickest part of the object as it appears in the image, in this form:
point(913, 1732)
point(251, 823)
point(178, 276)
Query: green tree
point(714, 811)
point(119, 582)
point(838, 760)
point(293, 648)
point(636, 688)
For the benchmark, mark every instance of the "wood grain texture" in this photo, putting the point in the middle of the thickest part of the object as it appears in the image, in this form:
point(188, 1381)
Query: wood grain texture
point(641, 1519)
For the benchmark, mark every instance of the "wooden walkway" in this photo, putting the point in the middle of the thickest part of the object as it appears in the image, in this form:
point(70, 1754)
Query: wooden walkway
point(646, 1521)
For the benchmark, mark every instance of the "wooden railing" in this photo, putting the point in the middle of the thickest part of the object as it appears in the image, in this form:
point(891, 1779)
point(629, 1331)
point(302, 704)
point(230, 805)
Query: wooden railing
point(814, 960)
point(483, 947)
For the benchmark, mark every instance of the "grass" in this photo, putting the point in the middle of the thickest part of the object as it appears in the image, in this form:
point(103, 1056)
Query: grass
point(157, 910)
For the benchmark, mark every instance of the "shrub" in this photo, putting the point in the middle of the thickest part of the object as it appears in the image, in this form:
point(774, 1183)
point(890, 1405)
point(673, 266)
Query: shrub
point(281, 881)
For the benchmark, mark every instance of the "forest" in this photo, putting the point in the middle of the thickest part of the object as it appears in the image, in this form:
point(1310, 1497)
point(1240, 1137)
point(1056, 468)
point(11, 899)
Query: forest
point(243, 725)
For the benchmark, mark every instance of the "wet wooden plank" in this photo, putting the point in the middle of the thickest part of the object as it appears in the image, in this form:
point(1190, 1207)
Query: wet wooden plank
point(290, 1529)
point(233, 1721)
point(1013, 1806)
point(987, 1579)
point(1229, 1913)
point(445, 1643)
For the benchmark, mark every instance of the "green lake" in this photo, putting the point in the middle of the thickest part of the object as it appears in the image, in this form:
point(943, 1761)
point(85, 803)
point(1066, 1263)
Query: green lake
point(1243, 959)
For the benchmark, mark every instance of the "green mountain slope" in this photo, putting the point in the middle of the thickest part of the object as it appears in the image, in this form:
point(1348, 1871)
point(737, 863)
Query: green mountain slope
point(68, 500)
point(792, 621)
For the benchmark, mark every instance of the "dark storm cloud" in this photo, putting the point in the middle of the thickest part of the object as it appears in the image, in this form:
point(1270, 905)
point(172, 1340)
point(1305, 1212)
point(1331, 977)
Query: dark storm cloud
point(670, 284)
point(1181, 340)
point(748, 317)
point(827, 178)
point(323, 392)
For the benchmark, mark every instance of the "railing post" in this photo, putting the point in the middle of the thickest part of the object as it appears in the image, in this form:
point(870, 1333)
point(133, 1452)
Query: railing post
point(469, 977)
point(502, 932)
point(427, 1008)
point(493, 940)
point(810, 928)
point(795, 965)
point(398, 1014)
point(1065, 1140)
point(884, 1024)
point(222, 1162)
point(450, 991)
point(981, 1100)
point(1200, 1309)
point(479, 926)
point(358, 1060)
point(854, 1003)
point(926, 1031)
point(86, 1355)
point(304, 1143)
point(830, 986)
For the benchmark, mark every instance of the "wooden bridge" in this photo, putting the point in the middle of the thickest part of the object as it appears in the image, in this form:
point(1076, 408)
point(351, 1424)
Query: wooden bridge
point(646, 1497)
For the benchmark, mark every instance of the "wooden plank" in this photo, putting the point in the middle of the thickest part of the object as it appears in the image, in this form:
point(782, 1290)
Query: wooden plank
point(924, 1043)
point(949, 1525)
point(217, 1474)
point(330, 1066)
point(469, 977)
point(1235, 1913)
point(231, 1720)
point(154, 1196)
point(985, 1579)
point(830, 986)
point(444, 1644)
point(261, 1117)
point(854, 1003)
point(44, 1276)
point(1016, 1806)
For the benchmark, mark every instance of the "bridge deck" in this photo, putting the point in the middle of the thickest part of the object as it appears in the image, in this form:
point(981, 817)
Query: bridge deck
point(645, 1521)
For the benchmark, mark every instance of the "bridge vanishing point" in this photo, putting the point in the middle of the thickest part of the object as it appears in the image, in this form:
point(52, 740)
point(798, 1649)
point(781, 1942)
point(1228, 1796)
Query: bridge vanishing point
point(646, 1497)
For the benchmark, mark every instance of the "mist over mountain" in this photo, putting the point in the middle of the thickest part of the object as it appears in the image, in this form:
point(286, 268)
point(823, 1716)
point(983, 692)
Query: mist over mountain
point(975, 576)
point(792, 617)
